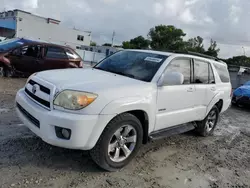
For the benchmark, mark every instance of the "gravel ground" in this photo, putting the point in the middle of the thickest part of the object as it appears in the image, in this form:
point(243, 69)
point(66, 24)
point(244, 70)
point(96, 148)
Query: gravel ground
point(185, 160)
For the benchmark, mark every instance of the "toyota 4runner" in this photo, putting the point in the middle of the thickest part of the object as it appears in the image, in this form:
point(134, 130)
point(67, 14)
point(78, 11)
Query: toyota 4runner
point(127, 99)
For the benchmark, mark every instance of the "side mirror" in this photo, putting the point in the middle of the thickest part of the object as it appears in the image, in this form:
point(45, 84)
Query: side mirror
point(171, 78)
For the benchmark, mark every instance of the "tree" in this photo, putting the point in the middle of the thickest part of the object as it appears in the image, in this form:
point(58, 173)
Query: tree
point(166, 38)
point(195, 45)
point(213, 50)
point(127, 45)
point(136, 43)
point(92, 43)
point(239, 60)
point(107, 44)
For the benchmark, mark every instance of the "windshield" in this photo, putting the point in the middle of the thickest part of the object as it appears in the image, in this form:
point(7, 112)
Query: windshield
point(10, 43)
point(134, 64)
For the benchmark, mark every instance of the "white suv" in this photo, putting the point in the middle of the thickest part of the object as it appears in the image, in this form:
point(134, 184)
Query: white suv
point(129, 98)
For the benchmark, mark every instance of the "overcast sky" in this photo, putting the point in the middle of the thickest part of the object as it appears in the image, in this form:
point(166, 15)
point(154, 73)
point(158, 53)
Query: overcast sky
point(226, 21)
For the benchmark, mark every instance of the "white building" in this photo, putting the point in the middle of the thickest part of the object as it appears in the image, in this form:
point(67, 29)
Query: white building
point(18, 23)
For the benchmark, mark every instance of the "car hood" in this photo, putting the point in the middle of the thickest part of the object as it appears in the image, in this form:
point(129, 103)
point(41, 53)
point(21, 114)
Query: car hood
point(93, 80)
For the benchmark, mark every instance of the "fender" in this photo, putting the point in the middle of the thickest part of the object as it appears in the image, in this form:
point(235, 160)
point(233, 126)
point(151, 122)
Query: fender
point(214, 100)
point(121, 105)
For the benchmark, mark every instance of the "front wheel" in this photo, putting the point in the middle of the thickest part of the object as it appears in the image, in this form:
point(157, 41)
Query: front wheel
point(119, 143)
point(206, 127)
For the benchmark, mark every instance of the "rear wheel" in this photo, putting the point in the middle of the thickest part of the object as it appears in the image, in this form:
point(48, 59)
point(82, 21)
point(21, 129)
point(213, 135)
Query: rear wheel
point(8, 72)
point(119, 143)
point(1, 72)
point(206, 127)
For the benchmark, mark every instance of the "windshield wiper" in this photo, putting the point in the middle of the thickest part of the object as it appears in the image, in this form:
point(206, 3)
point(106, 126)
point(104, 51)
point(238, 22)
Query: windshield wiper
point(115, 72)
point(99, 68)
point(123, 74)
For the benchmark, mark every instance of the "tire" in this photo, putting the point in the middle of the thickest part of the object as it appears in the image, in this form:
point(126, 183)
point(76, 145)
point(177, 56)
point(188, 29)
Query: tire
point(8, 72)
point(1, 72)
point(204, 128)
point(104, 152)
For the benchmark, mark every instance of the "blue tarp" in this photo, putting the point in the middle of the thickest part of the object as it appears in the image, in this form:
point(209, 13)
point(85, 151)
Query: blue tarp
point(243, 90)
point(11, 43)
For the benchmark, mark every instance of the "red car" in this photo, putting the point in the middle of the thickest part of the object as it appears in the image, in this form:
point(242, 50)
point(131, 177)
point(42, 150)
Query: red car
point(22, 56)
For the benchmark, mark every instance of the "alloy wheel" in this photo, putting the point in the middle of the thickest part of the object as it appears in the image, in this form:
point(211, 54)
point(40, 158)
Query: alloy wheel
point(122, 143)
point(211, 120)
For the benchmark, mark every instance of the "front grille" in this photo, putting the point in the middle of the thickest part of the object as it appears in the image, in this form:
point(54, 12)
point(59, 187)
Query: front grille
point(42, 88)
point(41, 101)
point(28, 116)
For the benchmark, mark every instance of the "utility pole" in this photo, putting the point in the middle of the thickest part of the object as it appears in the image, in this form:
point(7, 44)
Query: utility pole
point(113, 37)
point(244, 51)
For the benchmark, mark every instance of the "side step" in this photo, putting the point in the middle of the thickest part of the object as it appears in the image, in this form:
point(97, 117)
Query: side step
point(178, 129)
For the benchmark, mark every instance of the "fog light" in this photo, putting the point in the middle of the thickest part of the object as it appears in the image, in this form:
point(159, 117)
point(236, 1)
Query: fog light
point(65, 133)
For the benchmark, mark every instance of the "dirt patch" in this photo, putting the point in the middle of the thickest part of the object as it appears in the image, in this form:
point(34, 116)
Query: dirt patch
point(185, 160)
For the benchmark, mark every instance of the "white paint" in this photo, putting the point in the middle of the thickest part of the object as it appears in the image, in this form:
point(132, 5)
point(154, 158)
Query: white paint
point(165, 106)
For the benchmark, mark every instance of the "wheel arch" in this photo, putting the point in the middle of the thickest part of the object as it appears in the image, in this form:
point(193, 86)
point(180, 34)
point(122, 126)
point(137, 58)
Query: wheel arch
point(216, 101)
point(144, 119)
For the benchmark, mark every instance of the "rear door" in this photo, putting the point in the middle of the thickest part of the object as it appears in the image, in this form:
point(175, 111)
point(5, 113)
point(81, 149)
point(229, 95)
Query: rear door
point(55, 58)
point(205, 86)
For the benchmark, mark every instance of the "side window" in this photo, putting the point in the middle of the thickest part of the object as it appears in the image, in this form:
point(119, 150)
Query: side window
point(56, 53)
point(211, 75)
point(182, 66)
point(71, 54)
point(223, 72)
point(31, 51)
point(201, 72)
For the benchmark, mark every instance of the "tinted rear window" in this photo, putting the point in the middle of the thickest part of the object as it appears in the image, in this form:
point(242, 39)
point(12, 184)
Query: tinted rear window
point(56, 53)
point(71, 54)
point(223, 72)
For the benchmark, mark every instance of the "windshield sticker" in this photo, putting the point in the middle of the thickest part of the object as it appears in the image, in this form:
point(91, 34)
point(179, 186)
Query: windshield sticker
point(153, 59)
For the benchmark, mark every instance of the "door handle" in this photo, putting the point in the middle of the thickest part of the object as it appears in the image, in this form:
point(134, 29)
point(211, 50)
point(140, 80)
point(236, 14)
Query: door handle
point(213, 89)
point(190, 89)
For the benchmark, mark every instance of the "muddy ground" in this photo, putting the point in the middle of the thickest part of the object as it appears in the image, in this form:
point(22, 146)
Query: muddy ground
point(222, 160)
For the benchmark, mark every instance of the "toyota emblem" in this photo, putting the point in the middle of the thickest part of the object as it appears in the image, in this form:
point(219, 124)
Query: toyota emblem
point(34, 89)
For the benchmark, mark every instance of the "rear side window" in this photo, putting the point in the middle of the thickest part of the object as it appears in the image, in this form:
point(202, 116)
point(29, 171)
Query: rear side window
point(223, 72)
point(71, 54)
point(182, 66)
point(56, 53)
point(201, 72)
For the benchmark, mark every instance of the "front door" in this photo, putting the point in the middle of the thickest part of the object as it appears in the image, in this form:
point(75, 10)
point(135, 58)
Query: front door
point(27, 59)
point(175, 103)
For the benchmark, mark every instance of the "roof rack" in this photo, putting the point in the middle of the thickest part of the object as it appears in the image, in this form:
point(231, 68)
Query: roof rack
point(195, 53)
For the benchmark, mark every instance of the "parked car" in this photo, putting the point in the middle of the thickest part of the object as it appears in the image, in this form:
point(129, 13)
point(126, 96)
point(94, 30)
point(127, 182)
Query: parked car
point(129, 98)
point(241, 96)
point(26, 57)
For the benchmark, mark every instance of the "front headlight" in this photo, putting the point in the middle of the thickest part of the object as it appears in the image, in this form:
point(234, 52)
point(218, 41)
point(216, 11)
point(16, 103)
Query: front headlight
point(74, 100)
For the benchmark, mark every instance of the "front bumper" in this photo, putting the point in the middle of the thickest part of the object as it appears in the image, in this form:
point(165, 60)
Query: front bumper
point(85, 129)
point(243, 100)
